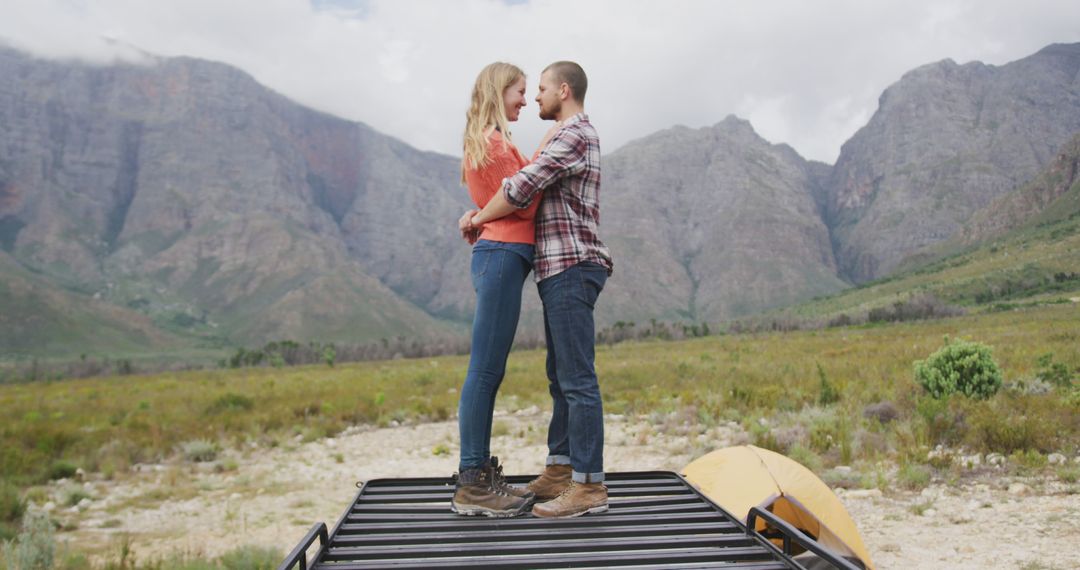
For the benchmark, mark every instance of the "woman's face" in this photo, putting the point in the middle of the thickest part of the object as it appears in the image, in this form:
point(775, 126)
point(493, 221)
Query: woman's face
point(514, 99)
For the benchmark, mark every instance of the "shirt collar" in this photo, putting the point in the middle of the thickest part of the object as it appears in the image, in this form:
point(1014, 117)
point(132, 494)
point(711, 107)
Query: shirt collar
point(578, 117)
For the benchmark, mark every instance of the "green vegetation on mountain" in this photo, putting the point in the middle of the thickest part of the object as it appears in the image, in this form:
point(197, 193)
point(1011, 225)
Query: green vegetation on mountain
point(1038, 262)
point(38, 317)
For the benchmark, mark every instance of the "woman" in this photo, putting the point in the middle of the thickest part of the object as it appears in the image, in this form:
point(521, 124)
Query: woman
point(501, 260)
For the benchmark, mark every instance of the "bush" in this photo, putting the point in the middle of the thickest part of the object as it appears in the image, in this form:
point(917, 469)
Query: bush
point(12, 506)
point(250, 558)
point(1054, 373)
point(946, 419)
point(914, 309)
point(73, 495)
point(35, 547)
point(231, 402)
point(1019, 423)
point(199, 450)
point(913, 477)
point(827, 393)
point(62, 470)
point(959, 367)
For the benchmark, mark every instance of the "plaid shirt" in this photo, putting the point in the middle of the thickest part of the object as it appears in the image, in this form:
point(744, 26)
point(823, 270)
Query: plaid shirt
point(568, 172)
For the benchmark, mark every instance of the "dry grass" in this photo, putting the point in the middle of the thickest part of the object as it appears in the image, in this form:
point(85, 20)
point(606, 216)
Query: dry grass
point(771, 383)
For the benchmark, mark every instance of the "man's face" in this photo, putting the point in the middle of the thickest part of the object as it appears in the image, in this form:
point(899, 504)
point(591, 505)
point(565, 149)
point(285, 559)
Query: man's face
point(548, 97)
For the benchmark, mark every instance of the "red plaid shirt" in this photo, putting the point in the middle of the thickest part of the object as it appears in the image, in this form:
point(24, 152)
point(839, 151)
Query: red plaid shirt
point(568, 172)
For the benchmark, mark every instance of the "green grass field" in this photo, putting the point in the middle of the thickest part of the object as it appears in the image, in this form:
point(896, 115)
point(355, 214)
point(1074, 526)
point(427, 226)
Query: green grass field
point(107, 424)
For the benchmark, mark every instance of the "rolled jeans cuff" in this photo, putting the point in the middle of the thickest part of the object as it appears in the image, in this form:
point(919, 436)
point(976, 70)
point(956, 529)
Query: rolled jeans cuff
point(558, 460)
point(588, 477)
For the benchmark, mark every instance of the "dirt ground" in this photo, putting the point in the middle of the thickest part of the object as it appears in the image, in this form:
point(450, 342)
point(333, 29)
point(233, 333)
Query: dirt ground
point(271, 497)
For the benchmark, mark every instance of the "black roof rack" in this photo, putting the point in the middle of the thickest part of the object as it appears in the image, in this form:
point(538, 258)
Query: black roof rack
point(656, 519)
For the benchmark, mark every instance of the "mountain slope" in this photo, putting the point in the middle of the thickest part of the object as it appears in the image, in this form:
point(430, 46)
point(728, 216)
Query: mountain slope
point(711, 223)
point(185, 188)
point(1022, 248)
point(945, 141)
point(1050, 196)
point(37, 317)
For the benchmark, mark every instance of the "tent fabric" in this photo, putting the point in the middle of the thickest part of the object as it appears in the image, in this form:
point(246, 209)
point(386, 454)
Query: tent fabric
point(738, 478)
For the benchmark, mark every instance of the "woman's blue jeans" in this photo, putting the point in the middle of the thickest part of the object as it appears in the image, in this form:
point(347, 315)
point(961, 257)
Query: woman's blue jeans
point(499, 271)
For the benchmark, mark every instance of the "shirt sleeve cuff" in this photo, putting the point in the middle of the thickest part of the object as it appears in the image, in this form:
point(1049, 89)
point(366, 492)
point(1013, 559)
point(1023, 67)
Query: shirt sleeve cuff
point(513, 195)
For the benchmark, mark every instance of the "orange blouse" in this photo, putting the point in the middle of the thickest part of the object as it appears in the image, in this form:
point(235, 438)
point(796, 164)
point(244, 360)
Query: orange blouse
point(485, 181)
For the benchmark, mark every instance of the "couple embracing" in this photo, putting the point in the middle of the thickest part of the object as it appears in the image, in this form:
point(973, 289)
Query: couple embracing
point(540, 215)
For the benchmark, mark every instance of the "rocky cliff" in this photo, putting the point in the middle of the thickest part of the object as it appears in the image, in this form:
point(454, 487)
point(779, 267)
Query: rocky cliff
point(710, 224)
point(1029, 202)
point(946, 140)
point(188, 191)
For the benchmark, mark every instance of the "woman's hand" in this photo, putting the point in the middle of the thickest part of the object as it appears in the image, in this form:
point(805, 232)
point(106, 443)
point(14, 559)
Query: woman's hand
point(469, 232)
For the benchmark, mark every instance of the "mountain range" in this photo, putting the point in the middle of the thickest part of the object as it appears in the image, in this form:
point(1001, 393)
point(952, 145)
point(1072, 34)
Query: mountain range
point(145, 207)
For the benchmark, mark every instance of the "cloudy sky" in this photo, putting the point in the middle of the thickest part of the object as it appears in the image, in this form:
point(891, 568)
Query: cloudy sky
point(805, 73)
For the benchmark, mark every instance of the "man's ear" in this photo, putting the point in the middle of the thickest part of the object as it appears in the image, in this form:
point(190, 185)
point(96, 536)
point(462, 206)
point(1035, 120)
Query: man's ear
point(564, 91)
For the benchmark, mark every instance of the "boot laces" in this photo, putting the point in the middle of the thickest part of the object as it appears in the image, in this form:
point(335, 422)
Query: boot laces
point(498, 480)
point(567, 490)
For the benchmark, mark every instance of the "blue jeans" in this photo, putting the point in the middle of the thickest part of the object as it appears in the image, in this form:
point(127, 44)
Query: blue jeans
point(576, 432)
point(499, 271)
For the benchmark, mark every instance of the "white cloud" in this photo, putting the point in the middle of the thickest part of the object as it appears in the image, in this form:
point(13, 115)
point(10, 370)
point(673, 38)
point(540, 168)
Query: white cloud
point(805, 73)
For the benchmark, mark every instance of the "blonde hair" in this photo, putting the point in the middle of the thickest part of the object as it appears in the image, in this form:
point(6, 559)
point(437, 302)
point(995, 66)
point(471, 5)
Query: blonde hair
point(487, 110)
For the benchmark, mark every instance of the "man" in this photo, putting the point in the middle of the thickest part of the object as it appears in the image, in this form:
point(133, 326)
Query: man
point(571, 267)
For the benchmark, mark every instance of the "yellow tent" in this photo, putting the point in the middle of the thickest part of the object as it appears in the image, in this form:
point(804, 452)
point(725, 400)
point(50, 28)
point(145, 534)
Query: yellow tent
point(737, 478)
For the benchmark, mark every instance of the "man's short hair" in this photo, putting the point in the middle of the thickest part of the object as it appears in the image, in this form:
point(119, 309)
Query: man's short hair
point(571, 74)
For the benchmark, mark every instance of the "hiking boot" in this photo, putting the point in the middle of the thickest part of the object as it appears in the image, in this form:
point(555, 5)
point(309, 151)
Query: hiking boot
point(578, 499)
point(499, 481)
point(474, 494)
point(551, 483)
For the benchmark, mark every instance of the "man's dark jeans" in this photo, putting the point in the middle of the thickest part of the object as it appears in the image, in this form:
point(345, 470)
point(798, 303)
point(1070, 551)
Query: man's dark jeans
point(498, 273)
point(576, 433)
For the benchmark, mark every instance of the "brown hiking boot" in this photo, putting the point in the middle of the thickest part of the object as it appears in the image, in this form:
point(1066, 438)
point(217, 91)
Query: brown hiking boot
point(552, 482)
point(578, 499)
point(499, 481)
point(474, 494)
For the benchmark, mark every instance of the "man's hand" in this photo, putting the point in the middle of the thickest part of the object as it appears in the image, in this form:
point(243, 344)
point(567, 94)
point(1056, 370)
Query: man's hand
point(469, 232)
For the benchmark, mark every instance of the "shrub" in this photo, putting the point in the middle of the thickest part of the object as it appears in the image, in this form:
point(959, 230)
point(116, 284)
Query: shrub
point(199, 450)
point(914, 309)
point(1054, 373)
point(1029, 460)
point(1072, 398)
point(35, 547)
point(946, 420)
point(827, 393)
point(1007, 428)
point(74, 495)
point(884, 412)
point(12, 507)
point(959, 367)
point(913, 477)
point(805, 457)
point(62, 470)
point(231, 402)
point(250, 558)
